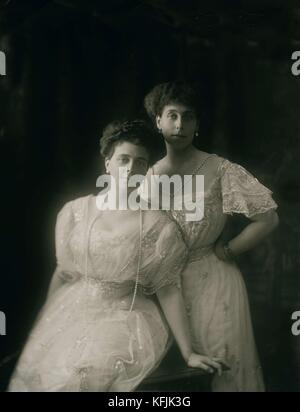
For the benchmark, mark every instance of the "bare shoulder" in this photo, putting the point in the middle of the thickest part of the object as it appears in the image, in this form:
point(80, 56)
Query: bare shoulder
point(160, 167)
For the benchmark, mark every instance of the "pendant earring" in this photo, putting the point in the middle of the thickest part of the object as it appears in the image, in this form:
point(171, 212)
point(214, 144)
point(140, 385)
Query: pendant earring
point(196, 134)
point(160, 131)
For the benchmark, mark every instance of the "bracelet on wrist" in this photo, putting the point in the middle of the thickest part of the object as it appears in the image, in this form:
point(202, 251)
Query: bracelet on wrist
point(228, 252)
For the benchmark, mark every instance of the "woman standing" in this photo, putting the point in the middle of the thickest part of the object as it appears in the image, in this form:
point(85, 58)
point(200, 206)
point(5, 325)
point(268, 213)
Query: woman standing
point(213, 288)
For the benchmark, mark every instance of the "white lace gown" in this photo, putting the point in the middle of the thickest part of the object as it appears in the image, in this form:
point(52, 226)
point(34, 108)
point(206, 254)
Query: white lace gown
point(214, 291)
point(85, 338)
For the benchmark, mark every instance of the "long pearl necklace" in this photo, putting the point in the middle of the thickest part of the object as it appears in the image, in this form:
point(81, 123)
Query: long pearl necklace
point(139, 260)
point(138, 257)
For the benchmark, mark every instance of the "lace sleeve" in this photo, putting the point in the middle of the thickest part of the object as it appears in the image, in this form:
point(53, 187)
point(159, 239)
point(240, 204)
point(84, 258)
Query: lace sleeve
point(165, 259)
point(242, 192)
point(64, 225)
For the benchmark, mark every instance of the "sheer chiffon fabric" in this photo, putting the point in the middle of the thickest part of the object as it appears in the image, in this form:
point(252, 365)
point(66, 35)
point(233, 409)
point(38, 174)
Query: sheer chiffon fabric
point(86, 338)
point(214, 291)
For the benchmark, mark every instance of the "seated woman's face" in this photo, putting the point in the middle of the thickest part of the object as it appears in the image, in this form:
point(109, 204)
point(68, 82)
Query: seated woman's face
point(127, 155)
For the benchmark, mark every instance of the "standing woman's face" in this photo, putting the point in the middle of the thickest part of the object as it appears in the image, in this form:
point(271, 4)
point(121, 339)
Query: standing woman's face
point(178, 124)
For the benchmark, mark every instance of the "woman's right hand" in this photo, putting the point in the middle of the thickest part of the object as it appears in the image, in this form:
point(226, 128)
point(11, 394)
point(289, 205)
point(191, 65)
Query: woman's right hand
point(209, 365)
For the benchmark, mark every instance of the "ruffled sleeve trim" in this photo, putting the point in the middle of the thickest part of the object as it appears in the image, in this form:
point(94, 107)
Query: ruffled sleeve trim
point(242, 192)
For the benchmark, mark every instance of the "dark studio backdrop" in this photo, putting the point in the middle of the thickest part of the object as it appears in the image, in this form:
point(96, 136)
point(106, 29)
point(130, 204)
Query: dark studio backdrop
point(74, 65)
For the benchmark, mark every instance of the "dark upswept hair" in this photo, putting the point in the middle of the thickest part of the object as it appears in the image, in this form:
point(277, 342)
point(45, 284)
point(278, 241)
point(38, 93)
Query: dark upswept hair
point(136, 131)
point(171, 92)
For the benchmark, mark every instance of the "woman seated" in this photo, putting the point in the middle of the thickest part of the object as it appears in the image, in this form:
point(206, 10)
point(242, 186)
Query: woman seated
point(100, 329)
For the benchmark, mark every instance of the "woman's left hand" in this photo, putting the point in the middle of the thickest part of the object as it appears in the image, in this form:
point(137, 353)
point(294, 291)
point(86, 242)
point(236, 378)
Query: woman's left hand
point(219, 250)
point(206, 363)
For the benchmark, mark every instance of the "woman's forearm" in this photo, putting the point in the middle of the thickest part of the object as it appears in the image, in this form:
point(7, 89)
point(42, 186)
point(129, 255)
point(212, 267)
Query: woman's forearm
point(253, 234)
point(171, 301)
